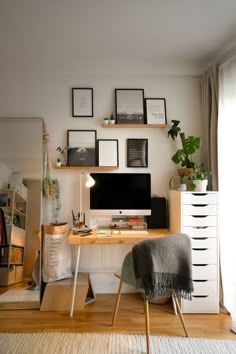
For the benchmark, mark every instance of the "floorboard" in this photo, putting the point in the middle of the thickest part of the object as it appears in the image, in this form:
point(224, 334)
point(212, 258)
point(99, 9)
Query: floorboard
point(96, 317)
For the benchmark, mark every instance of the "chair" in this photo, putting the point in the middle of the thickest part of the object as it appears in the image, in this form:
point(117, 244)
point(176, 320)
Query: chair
point(158, 267)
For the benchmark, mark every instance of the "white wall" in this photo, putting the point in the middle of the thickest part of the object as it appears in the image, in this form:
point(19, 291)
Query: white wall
point(41, 87)
point(50, 97)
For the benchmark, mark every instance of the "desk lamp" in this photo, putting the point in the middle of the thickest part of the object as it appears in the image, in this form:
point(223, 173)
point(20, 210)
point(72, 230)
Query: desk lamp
point(88, 181)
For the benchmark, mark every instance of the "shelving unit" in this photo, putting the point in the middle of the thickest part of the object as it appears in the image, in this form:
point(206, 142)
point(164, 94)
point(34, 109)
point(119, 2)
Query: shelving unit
point(12, 255)
point(134, 125)
point(87, 168)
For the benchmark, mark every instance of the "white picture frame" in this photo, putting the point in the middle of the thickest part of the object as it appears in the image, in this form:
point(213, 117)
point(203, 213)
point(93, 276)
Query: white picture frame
point(108, 152)
point(155, 110)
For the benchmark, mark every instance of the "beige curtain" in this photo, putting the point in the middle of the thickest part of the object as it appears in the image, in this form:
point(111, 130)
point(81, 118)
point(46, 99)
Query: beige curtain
point(209, 95)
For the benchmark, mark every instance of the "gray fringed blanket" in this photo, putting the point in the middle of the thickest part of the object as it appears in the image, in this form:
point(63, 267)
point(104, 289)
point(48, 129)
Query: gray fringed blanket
point(164, 264)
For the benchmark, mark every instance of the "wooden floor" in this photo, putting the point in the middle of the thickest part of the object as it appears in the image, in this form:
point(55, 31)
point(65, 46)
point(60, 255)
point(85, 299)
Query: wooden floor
point(96, 317)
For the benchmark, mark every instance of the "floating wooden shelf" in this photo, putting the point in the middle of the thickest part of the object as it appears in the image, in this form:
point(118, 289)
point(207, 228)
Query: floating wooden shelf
point(87, 168)
point(134, 125)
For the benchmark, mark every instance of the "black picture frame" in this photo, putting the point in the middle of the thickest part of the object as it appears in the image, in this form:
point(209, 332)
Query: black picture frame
point(129, 106)
point(155, 110)
point(81, 147)
point(137, 152)
point(82, 102)
point(108, 152)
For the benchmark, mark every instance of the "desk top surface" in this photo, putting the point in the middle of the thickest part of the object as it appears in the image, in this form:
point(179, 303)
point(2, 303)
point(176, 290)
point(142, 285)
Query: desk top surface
point(115, 238)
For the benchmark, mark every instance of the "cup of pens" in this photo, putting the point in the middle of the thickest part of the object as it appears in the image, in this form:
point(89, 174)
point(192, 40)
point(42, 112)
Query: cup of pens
point(78, 219)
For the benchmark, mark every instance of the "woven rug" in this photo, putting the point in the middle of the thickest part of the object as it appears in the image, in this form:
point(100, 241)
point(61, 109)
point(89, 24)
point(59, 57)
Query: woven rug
point(20, 295)
point(78, 343)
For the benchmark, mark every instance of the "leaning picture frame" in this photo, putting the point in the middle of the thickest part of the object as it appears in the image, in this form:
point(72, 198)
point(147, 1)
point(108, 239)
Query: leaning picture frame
point(155, 110)
point(81, 149)
point(129, 106)
point(108, 152)
point(82, 102)
point(137, 152)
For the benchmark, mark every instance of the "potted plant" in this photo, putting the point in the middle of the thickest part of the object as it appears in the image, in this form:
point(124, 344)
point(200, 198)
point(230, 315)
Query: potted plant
point(199, 178)
point(58, 163)
point(51, 190)
point(190, 145)
point(183, 185)
point(112, 119)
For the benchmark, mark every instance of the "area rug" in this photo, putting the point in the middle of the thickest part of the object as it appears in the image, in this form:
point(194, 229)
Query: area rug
point(92, 343)
point(20, 295)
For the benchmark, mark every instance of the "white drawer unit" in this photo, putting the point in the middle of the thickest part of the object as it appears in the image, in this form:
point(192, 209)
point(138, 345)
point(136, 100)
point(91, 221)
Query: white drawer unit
point(196, 214)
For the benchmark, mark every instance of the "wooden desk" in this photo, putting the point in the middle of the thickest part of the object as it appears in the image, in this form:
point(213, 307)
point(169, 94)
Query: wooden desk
point(115, 239)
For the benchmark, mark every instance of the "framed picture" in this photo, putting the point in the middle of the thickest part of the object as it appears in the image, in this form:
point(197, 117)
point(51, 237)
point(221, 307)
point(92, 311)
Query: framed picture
point(82, 102)
point(156, 110)
point(129, 106)
point(108, 152)
point(81, 149)
point(137, 152)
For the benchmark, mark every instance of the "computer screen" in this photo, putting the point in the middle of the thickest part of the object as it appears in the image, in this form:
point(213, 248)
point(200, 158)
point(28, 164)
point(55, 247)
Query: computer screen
point(121, 194)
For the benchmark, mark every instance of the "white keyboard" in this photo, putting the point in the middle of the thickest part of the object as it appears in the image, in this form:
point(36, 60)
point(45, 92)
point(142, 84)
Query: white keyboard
point(134, 232)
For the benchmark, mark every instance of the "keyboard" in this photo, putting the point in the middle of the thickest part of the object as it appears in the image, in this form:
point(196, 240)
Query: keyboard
point(134, 232)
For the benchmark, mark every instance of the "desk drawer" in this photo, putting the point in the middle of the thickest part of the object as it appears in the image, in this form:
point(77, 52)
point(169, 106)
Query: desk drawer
point(204, 256)
point(201, 209)
point(199, 220)
point(205, 242)
point(201, 304)
point(198, 231)
point(205, 287)
point(204, 272)
point(199, 198)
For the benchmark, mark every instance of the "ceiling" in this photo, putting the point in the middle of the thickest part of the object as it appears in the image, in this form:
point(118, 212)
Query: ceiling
point(150, 31)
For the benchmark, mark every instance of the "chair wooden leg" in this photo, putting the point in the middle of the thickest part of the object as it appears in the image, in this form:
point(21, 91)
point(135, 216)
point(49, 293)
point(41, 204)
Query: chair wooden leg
point(146, 305)
point(174, 305)
point(116, 304)
point(180, 314)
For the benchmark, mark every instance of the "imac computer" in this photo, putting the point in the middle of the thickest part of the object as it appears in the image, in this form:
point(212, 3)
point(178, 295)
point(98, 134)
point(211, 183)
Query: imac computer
point(121, 194)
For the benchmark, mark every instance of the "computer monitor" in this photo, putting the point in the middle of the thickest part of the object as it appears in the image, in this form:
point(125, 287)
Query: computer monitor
point(121, 194)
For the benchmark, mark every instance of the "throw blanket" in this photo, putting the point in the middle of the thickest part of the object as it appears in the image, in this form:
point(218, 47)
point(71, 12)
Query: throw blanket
point(164, 264)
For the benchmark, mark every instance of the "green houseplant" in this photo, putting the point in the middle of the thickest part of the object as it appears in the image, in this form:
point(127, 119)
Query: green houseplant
point(199, 178)
point(190, 145)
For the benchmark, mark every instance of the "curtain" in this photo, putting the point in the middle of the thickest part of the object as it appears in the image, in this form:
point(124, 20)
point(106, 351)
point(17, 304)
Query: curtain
point(227, 169)
point(209, 94)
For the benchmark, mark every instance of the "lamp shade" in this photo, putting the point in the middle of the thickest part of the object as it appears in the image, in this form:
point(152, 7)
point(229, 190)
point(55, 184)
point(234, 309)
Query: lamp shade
point(88, 180)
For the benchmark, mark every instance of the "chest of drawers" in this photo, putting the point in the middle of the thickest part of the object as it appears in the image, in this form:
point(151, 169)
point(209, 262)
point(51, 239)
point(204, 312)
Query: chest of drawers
point(196, 214)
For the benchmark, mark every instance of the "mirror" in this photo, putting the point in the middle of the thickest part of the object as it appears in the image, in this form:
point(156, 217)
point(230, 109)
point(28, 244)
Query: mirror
point(21, 170)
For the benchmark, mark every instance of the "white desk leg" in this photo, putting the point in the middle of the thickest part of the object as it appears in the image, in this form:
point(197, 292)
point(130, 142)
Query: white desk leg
point(75, 281)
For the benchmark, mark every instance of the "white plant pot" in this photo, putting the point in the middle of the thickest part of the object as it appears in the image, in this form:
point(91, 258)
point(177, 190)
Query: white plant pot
point(201, 185)
point(58, 164)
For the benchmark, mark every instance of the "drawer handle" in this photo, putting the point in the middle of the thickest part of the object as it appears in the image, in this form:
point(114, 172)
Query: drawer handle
point(200, 296)
point(200, 238)
point(199, 205)
point(200, 265)
point(200, 227)
point(200, 281)
point(197, 194)
point(199, 216)
point(200, 249)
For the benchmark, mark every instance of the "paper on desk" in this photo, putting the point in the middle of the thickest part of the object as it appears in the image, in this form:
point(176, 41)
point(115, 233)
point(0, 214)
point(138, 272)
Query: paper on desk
point(103, 233)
